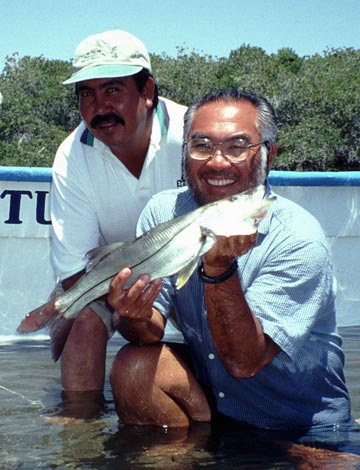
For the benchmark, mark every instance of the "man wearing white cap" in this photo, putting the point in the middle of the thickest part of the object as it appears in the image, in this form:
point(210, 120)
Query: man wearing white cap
point(127, 148)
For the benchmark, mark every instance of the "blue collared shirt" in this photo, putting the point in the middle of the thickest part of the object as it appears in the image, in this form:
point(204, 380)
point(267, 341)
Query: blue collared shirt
point(289, 285)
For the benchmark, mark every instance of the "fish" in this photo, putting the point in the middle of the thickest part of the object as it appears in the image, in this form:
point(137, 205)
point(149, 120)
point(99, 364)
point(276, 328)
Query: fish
point(171, 248)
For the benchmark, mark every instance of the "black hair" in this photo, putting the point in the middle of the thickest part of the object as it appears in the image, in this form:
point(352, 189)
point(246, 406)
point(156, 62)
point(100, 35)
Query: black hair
point(141, 79)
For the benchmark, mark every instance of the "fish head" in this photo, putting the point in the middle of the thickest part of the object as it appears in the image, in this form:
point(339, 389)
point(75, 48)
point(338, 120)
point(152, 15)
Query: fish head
point(239, 214)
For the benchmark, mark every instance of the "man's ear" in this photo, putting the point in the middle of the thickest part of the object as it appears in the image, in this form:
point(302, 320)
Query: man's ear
point(148, 92)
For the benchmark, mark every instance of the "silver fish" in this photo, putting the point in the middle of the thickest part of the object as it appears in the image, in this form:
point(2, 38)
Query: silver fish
point(173, 247)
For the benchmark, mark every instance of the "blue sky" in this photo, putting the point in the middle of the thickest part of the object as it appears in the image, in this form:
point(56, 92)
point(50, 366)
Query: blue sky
point(53, 28)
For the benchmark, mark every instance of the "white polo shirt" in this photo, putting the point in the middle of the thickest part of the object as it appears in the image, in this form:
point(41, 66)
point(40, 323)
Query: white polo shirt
point(95, 200)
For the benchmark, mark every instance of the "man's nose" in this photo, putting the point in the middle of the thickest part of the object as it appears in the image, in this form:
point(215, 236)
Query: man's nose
point(218, 158)
point(101, 103)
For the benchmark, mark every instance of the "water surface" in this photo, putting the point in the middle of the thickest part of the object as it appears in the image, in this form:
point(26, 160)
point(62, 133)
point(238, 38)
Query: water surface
point(31, 397)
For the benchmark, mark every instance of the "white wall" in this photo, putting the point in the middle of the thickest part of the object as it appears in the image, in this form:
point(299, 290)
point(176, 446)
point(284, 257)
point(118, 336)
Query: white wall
point(337, 209)
point(26, 277)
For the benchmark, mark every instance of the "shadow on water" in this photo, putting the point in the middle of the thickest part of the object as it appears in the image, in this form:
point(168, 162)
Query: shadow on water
point(35, 432)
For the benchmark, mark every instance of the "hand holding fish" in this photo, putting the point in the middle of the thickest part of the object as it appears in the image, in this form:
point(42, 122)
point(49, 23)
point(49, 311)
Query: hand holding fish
point(135, 302)
point(182, 241)
point(134, 316)
point(226, 249)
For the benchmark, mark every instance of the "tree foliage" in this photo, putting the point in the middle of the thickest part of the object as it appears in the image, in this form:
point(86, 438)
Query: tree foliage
point(37, 110)
point(316, 99)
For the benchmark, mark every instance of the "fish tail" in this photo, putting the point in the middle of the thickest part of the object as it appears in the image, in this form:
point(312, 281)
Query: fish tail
point(59, 331)
point(38, 318)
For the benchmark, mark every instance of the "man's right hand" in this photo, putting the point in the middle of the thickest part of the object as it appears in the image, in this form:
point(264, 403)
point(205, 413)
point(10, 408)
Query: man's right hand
point(136, 302)
point(134, 316)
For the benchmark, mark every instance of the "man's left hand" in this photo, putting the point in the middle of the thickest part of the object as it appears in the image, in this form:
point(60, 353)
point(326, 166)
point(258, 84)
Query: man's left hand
point(226, 249)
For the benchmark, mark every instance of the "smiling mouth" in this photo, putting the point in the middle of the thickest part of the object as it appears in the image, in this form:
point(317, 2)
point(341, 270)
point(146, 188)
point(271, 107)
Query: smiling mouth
point(106, 124)
point(107, 120)
point(220, 182)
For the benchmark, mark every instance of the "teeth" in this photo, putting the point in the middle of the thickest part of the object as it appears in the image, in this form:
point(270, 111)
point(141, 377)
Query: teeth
point(223, 182)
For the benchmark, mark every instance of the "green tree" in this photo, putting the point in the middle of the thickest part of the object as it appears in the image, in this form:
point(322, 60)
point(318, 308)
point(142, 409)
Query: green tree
point(186, 77)
point(320, 115)
point(316, 99)
point(37, 110)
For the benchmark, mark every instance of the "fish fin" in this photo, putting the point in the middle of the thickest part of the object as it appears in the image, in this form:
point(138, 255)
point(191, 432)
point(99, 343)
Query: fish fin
point(38, 318)
point(208, 240)
point(185, 273)
point(95, 255)
point(59, 331)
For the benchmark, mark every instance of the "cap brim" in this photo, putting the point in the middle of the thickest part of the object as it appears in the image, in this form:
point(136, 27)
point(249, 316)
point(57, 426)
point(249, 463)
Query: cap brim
point(103, 71)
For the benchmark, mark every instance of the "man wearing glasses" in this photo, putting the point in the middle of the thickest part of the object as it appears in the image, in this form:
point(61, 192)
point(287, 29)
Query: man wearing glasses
point(262, 340)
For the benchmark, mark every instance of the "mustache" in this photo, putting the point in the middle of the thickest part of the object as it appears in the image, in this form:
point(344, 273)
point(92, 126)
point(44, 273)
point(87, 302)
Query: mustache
point(104, 118)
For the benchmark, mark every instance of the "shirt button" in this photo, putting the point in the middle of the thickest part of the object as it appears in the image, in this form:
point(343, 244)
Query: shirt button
point(221, 394)
point(211, 356)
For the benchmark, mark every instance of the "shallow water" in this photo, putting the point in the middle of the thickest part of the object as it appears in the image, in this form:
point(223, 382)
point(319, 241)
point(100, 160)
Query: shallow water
point(30, 395)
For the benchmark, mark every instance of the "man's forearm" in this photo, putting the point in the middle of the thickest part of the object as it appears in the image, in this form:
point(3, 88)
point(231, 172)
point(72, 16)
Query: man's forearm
point(142, 331)
point(236, 332)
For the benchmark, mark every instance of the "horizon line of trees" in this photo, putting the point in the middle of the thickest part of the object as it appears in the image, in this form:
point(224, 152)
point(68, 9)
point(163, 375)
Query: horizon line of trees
point(316, 99)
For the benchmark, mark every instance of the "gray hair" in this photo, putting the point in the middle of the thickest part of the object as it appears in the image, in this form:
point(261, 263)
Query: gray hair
point(266, 124)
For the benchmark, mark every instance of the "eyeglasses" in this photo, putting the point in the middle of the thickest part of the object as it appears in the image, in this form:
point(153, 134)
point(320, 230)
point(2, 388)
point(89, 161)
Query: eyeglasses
point(235, 150)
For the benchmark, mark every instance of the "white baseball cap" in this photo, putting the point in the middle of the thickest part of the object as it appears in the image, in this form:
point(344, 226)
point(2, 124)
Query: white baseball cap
point(110, 54)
